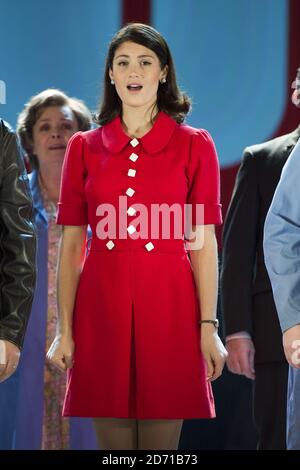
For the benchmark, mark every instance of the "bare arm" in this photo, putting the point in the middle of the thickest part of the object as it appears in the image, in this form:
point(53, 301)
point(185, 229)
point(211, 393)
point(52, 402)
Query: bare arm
point(71, 258)
point(204, 262)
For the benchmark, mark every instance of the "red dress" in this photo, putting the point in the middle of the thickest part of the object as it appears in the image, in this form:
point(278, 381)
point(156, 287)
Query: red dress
point(136, 331)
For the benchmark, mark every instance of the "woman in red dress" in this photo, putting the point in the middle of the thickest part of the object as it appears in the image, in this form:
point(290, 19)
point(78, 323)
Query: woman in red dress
point(139, 354)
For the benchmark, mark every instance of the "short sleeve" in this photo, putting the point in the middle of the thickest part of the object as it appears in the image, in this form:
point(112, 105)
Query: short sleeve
point(204, 181)
point(72, 205)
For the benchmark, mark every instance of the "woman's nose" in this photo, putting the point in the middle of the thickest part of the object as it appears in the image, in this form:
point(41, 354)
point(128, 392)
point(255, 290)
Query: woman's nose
point(55, 133)
point(133, 70)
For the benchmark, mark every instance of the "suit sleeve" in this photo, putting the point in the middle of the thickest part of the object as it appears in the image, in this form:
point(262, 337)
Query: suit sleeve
point(282, 243)
point(204, 181)
point(240, 236)
point(18, 244)
point(72, 205)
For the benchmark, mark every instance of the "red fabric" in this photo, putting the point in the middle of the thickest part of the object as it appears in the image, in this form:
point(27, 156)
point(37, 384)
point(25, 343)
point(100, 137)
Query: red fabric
point(136, 328)
point(136, 11)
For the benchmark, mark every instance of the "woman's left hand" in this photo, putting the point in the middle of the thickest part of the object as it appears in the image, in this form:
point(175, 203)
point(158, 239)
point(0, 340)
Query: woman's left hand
point(213, 352)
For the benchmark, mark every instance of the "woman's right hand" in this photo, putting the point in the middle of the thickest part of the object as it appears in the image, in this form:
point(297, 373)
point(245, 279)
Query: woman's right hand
point(61, 352)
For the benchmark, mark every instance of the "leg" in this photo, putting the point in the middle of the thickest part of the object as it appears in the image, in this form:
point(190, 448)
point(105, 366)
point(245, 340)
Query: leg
point(159, 433)
point(270, 397)
point(114, 433)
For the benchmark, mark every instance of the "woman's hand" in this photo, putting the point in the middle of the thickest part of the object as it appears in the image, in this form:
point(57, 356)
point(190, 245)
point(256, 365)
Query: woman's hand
point(61, 352)
point(9, 359)
point(213, 352)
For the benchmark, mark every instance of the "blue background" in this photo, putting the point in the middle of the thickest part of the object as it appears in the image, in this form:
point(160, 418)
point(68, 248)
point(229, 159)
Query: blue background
point(230, 57)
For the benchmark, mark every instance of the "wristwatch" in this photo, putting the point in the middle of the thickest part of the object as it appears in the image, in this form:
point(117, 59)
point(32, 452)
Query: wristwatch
point(214, 322)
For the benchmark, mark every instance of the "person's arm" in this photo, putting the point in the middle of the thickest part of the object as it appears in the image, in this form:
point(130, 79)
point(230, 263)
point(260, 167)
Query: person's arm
point(282, 254)
point(72, 214)
point(238, 260)
point(17, 251)
point(204, 213)
point(71, 258)
point(205, 269)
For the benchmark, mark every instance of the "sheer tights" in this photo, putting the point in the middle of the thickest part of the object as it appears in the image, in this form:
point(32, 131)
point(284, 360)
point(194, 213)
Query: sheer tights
point(132, 434)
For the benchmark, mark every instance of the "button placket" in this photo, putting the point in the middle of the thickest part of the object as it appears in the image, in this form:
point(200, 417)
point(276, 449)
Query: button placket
point(130, 191)
point(132, 172)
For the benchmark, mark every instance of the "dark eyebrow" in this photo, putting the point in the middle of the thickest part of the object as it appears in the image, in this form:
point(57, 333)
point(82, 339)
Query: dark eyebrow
point(121, 55)
point(146, 55)
point(139, 56)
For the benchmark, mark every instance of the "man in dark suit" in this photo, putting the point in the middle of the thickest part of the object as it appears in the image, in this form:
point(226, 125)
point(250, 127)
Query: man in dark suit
point(253, 334)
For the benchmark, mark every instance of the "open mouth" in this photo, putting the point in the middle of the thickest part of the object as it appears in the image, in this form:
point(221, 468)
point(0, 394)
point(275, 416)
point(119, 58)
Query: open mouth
point(134, 87)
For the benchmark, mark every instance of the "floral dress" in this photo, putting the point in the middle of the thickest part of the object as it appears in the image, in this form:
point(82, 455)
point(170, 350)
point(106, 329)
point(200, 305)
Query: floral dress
point(55, 427)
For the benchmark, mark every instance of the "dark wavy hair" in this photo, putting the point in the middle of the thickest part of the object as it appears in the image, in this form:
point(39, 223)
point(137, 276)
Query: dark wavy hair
point(35, 107)
point(169, 98)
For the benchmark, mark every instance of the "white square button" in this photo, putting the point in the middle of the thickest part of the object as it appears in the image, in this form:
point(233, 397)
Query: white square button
point(130, 192)
point(131, 211)
point(131, 229)
point(134, 142)
point(133, 157)
point(131, 172)
point(149, 246)
point(110, 245)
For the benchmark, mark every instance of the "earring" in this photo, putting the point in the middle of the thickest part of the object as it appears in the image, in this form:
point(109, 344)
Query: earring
point(163, 80)
point(112, 82)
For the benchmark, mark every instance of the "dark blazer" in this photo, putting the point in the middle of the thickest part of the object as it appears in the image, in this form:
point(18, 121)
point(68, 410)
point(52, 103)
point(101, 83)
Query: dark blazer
point(17, 241)
point(246, 293)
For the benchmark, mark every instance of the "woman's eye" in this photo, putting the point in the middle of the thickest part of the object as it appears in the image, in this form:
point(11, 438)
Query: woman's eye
point(122, 63)
point(68, 127)
point(145, 62)
point(44, 128)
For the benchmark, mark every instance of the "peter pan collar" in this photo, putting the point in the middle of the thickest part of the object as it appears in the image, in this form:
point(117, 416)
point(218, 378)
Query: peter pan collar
point(115, 139)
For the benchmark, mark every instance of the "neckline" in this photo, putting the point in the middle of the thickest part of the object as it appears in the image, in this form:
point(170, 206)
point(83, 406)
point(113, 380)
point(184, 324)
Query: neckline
point(136, 137)
point(115, 139)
